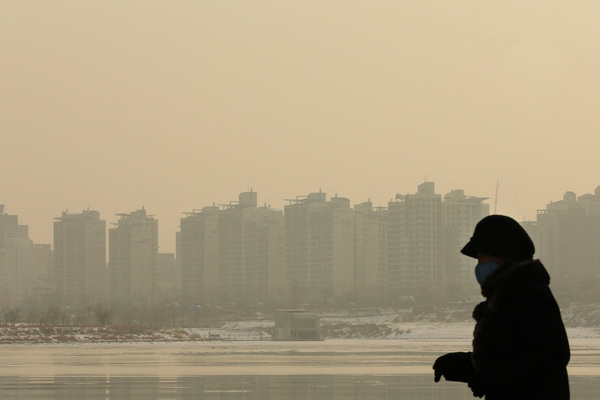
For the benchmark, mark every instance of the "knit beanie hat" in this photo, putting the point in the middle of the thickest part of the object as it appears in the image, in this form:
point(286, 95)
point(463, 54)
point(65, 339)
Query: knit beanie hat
point(500, 236)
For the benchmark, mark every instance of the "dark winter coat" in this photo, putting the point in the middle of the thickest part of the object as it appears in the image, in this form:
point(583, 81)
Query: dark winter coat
point(520, 346)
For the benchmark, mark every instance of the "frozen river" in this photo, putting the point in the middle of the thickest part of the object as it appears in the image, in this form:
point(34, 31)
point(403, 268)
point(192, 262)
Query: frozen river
point(331, 369)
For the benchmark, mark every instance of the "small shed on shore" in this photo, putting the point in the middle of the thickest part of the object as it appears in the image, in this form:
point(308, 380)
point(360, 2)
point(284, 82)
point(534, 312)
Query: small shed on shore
point(296, 325)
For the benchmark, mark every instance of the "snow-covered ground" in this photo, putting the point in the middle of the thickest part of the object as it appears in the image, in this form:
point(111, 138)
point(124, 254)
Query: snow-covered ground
point(439, 326)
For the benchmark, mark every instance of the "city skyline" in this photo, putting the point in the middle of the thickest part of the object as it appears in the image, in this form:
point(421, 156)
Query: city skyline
point(175, 106)
point(166, 239)
point(318, 249)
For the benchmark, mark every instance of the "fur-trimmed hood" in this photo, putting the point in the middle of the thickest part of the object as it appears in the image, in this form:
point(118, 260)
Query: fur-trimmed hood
point(514, 275)
point(508, 279)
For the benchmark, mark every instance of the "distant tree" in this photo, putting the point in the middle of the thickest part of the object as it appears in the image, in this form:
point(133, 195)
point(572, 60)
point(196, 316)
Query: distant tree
point(174, 313)
point(50, 315)
point(82, 315)
point(157, 313)
point(103, 315)
point(11, 315)
point(65, 314)
point(140, 310)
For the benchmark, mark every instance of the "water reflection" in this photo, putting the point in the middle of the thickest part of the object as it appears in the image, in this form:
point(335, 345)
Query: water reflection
point(295, 387)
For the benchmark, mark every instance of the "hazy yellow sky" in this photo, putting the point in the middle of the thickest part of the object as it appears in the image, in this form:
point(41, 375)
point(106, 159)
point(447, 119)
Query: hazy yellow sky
point(174, 105)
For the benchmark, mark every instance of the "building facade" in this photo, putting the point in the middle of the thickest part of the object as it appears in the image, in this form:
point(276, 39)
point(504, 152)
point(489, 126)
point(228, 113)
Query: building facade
point(167, 278)
point(319, 249)
point(415, 243)
point(370, 244)
point(80, 259)
point(425, 234)
point(133, 253)
point(198, 255)
point(424, 240)
point(460, 215)
point(568, 233)
point(251, 249)
point(17, 262)
point(232, 254)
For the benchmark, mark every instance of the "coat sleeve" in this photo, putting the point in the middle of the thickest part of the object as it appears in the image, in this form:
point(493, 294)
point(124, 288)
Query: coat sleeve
point(535, 346)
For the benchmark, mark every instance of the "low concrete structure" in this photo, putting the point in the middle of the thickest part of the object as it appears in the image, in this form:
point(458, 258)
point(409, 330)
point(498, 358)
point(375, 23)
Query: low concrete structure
point(296, 325)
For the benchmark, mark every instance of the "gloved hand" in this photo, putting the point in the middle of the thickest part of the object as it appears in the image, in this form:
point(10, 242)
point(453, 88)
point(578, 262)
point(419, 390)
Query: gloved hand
point(476, 386)
point(454, 367)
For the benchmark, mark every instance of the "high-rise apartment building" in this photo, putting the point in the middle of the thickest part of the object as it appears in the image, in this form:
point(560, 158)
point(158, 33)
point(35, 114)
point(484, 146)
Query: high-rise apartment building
point(396, 258)
point(133, 252)
point(42, 285)
point(415, 243)
point(198, 255)
point(568, 233)
point(167, 278)
point(460, 215)
point(370, 240)
point(424, 238)
point(80, 258)
point(251, 251)
point(319, 244)
point(234, 254)
point(17, 260)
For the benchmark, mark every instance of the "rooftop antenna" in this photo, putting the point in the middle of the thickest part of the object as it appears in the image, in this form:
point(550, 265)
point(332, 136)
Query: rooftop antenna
point(496, 198)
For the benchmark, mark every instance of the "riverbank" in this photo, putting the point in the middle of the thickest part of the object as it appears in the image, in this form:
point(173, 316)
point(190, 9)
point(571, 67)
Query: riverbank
point(251, 331)
point(90, 334)
point(439, 324)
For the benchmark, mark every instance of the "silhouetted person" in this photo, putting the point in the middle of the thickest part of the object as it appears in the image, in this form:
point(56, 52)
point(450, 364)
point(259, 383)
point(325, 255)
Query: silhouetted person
point(520, 346)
